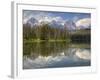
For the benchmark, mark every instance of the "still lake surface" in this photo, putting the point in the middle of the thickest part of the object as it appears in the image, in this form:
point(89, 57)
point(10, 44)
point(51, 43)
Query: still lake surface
point(55, 54)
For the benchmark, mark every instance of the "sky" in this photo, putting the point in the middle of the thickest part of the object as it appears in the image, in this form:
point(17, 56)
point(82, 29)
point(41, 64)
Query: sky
point(80, 19)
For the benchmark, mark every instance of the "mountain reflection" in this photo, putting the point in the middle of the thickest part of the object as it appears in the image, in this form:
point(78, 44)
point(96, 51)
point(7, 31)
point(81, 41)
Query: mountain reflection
point(53, 54)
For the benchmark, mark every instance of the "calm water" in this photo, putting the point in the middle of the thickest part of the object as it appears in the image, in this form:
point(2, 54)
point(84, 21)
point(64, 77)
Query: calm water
point(55, 54)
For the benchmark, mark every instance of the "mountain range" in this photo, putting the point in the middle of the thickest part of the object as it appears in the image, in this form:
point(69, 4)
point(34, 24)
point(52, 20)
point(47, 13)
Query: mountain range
point(69, 25)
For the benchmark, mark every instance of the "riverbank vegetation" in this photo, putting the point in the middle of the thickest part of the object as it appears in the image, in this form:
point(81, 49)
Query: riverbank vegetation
point(45, 32)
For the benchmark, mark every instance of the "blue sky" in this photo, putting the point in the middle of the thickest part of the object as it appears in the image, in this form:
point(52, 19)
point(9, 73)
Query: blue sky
point(70, 15)
point(64, 15)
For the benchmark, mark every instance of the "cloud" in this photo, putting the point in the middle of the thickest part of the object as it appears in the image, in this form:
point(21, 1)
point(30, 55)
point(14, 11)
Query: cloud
point(75, 18)
point(83, 23)
point(38, 15)
point(83, 54)
point(50, 17)
point(42, 17)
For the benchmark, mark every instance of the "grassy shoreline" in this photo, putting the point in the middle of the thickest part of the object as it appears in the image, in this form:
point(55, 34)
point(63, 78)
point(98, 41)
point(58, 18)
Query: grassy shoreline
point(50, 40)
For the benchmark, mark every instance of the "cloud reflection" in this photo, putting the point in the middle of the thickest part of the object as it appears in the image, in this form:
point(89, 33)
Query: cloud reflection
point(69, 58)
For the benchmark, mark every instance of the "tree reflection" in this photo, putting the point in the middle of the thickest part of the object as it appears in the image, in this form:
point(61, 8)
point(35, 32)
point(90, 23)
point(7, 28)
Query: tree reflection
point(44, 48)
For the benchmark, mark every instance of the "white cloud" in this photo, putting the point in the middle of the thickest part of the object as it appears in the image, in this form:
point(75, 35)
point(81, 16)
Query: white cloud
point(83, 54)
point(75, 18)
point(85, 22)
point(42, 16)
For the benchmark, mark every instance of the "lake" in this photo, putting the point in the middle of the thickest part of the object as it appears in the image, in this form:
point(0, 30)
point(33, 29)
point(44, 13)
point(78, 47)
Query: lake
point(38, 55)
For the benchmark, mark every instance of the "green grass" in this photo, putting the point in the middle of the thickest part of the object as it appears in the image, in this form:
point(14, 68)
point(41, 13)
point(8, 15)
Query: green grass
point(58, 40)
point(50, 40)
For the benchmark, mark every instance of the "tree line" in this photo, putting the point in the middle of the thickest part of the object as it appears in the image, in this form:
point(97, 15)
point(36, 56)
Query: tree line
point(47, 32)
point(44, 32)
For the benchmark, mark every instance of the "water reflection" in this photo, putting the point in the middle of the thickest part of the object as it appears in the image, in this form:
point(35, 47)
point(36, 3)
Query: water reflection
point(54, 54)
